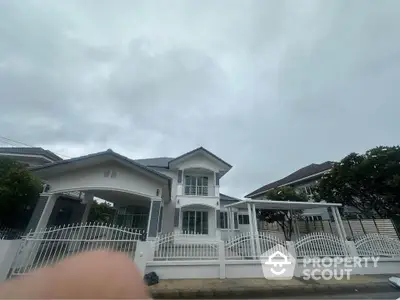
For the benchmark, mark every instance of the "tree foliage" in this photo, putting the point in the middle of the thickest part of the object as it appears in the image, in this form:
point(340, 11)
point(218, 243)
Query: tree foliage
point(369, 182)
point(19, 192)
point(101, 212)
point(284, 218)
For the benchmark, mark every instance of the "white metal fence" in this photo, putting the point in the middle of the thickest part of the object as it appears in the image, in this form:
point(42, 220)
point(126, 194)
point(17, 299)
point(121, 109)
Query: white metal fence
point(46, 247)
point(244, 246)
point(247, 246)
point(377, 245)
point(180, 246)
point(318, 244)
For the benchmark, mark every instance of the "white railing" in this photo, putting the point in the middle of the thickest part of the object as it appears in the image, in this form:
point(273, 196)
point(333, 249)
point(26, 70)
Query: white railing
point(180, 246)
point(375, 244)
point(199, 190)
point(50, 245)
point(244, 246)
point(320, 244)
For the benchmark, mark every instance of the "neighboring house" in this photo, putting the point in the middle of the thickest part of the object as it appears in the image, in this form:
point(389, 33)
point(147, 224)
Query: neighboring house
point(157, 194)
point(302, 180)
point(30, 156)
point(68, 208)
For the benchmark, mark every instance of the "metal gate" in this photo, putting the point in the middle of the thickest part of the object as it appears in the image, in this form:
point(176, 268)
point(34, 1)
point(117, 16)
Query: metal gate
point(49, 246)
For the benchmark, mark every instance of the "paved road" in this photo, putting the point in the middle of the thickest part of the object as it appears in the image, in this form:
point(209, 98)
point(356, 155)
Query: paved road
point(387, 293)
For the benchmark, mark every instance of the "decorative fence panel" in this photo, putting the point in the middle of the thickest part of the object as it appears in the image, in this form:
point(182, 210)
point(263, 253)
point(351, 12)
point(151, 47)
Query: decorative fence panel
point(319, 244)
point(377, 245)
point(177, 246)
point(244, 246)
point(46, 247)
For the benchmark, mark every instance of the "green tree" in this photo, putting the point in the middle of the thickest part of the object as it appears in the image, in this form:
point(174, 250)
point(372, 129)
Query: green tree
point(369, 182)
point(101, 212)
point(284, 218)
point(19, 192)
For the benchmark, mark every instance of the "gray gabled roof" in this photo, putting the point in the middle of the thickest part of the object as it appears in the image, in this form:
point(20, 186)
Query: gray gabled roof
point(199, 149)
point(103, 153)
point(30, 151)
point(160, 162)
point(297, 175)
point(224, 197)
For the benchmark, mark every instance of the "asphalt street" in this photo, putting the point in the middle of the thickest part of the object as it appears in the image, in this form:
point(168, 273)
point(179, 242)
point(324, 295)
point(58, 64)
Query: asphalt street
point(385, 293)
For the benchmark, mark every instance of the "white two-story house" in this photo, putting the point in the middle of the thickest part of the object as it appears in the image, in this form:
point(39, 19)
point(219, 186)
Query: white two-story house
point(160, 195)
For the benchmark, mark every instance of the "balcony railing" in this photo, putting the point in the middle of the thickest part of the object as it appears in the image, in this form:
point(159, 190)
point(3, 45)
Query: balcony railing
point(199, 190)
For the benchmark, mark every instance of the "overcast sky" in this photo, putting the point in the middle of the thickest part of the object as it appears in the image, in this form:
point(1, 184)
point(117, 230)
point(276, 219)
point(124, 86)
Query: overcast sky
point(269, 86)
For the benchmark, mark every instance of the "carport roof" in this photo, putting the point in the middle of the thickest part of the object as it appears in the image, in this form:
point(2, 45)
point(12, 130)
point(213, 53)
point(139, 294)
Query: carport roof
point(108, 152)
point(279, 205)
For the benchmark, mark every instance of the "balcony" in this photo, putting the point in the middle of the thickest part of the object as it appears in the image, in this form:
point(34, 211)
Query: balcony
point(201, 191)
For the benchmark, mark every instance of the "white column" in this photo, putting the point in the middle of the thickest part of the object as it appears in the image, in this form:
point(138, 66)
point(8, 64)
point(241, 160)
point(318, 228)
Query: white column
point(88, 200)
point(148, 220)
point(228, 221)
point(256, 230)
point(337, 220)
point(232, 221)
point(48, 209)
point(253, 250)
point(340, 223)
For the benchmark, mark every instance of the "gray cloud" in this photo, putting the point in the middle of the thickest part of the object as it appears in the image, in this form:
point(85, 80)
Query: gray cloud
point(269, 86)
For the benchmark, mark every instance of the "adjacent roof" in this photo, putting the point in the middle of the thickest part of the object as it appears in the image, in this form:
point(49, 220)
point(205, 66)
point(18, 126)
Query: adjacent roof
point(295, 176)
point(109, 152)
point(30, 151)
point(278, 205)
point(160, 162)
point(224, 197)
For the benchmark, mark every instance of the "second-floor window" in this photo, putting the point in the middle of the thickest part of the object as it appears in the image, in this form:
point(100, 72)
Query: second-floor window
point(196, 185)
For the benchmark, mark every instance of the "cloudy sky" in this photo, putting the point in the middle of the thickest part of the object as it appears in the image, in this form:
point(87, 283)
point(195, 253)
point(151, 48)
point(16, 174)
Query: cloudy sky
point(269, 86)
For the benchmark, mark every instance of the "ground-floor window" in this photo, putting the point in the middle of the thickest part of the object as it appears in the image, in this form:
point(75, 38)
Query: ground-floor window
point(244, 220)
point(195, 222)
point(224, 220)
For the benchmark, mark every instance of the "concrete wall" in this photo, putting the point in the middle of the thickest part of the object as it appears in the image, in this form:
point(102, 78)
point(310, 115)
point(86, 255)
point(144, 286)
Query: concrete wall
point(8, 251)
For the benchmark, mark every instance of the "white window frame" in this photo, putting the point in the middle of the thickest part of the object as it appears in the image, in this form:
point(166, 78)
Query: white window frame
point(199, 188)
point(195, 211)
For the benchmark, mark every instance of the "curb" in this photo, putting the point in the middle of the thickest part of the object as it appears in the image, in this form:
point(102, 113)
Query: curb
point(247, 293)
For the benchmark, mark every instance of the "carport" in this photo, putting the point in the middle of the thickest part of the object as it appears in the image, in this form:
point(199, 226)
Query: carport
point(109, 176)
point(252, 205)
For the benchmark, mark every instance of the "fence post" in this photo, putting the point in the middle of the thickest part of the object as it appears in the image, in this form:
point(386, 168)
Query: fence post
point(144, 253)
point(351, 246)
point(291, 248)
point(221, 256)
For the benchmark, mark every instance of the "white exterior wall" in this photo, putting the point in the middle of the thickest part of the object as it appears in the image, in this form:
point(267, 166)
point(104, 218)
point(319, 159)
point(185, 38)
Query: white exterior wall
point(169, 208)
point(92, 178)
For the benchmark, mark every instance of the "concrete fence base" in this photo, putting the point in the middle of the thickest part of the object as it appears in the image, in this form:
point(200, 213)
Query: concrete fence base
point(8, 252)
